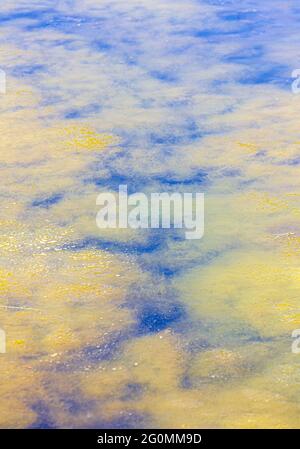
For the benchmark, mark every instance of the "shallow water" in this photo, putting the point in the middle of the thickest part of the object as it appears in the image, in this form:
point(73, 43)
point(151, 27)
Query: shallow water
point(125, 328)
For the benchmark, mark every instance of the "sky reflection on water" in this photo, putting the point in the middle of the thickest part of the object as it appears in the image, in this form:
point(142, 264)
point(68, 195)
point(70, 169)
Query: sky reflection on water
point(124, 328)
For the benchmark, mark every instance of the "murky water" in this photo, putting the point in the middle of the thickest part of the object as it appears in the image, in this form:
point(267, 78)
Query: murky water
point(125, 328)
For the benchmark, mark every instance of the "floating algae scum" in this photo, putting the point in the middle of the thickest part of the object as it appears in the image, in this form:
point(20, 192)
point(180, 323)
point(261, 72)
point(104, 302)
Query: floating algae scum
point(130, 328)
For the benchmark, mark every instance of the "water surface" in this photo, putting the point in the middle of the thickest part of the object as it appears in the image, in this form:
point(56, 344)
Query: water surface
point(131, 329)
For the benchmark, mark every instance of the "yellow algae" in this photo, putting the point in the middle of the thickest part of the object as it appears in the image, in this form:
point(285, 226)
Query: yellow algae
point(243, 288)
point(242, 403)
point(17, 380)
point(281, 377)
point(236, 363)
point(269, 163)
point(242, 279)
point(18, 342)
point(150, 367)
point(63, 316)
point(85, 138)
point(221, 405)
point(221, 408)
point(218, 363)
point(79, 209)
point(15, 414)
point(10, 286)
point(106, 383)
point(59, 309)
point(239, 403)
point(250, 147)
point(4, 282)
point(271, 203)
point(232, 220)
point(154, 362)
